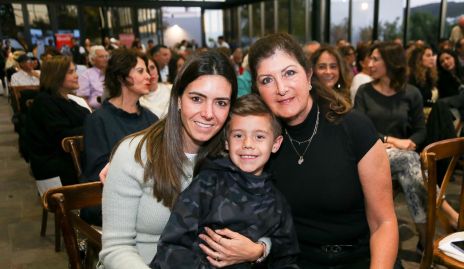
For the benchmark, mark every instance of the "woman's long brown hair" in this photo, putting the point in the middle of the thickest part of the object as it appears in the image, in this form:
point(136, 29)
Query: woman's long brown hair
point(163, 141)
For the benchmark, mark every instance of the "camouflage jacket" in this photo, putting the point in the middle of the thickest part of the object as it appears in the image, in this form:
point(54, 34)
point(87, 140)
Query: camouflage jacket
point(223, 196)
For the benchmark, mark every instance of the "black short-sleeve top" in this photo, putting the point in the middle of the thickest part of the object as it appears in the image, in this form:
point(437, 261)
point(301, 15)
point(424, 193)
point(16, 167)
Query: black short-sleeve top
point(325, 192)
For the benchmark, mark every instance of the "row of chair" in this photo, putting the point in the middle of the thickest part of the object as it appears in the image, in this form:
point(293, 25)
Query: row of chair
point(73, 145)
point(66, 201)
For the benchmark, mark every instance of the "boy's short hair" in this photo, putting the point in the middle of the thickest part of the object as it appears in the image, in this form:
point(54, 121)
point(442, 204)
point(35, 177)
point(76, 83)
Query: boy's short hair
point(252, 104)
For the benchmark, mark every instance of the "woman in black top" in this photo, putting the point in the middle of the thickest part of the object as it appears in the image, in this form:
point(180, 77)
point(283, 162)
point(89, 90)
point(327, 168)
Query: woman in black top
point(126, 80)
point(423, 73)
point(331, 167)
point(396, 110)
point(450, 73)
point(53, 116)
point(450, 80)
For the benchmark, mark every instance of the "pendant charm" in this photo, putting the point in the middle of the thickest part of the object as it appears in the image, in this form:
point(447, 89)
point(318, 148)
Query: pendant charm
point(301, 160)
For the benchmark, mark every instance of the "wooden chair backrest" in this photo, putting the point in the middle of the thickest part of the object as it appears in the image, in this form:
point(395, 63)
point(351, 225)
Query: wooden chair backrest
point(62, 201)
point(451, 149)
point(74, 145)
point(16, 92)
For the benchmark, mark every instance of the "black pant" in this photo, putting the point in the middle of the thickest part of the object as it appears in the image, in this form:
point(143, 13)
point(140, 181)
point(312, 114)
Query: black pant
point(358, 264)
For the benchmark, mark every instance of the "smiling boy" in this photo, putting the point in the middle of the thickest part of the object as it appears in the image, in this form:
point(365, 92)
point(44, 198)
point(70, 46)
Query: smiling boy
point(233, 192)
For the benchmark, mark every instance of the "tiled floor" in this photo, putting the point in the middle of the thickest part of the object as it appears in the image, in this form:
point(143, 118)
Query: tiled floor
point(22, 247)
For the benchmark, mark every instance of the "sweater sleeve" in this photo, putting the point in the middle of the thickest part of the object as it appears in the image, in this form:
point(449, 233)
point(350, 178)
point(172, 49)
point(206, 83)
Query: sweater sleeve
point(416, 117)
point(121, 198)
point(97, 148)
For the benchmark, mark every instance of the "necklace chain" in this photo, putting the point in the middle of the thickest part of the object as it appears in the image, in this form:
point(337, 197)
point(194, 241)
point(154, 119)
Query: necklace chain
point(301, 156)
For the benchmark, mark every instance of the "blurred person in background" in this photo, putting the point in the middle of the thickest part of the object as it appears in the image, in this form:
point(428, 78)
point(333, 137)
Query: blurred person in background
point(362, 64)
point(91, 81)
point(331, 71)
point(422, 74)
point(54, 116)
point(126, 80)
point(310, 47)
point(162, 55)
point(237, 58)
point(349, 55)
point(157, 101)
point(26, 75)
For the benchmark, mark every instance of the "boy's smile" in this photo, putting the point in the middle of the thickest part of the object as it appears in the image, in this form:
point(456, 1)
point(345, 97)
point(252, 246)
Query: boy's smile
point(251, 141)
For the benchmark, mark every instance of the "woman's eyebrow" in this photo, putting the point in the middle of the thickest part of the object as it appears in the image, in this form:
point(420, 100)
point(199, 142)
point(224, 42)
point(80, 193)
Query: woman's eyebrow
point(282, 70)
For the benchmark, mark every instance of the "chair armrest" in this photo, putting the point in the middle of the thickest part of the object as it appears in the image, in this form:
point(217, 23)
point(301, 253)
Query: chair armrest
point(93, 235)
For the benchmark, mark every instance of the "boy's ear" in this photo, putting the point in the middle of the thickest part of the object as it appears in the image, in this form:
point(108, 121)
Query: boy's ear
point(227, 145)
point(277, 143)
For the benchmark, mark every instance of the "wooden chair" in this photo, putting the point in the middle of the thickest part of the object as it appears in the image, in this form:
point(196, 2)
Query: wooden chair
point(74, 145)
point(17, 92)
point(63, 201)
point(446, 149)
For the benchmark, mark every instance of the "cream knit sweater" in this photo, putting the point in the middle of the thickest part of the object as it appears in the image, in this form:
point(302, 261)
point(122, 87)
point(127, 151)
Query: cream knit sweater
point(133, 219)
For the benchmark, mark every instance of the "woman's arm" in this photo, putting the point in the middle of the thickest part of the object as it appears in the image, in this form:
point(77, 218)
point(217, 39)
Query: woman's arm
point(416, 118)
point(121, 199)
point(375, 177)
point(97, 148)
point(416, 122)
point(406, 144)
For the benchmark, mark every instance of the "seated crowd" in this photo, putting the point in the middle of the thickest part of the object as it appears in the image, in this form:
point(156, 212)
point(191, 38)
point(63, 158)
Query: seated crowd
point(153, 119)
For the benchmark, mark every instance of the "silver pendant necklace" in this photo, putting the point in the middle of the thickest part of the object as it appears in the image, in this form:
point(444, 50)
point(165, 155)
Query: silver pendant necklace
point(301, 156)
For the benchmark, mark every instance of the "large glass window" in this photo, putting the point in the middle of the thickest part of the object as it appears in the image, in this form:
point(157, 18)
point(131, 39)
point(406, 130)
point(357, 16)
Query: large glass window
point(12, 22)
point(93, 25)
point(298, 19)
point(283, 9)
point(244, 25)
point(362, 20)
point(18, 13)
point(181, 23)
point(269, 21)
point(423, 20)
point(339, 10)
point(40, 28)
point(232, 36)
point(147, 24)
point(453, 12)
point(121, 20)
point(38, 17)
point(67, 19)
point(213, 24)
point(256, 15)
point(391, 14)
